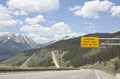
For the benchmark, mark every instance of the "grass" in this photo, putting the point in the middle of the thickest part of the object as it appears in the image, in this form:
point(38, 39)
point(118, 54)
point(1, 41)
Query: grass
point(109, 67)
point(16, 60)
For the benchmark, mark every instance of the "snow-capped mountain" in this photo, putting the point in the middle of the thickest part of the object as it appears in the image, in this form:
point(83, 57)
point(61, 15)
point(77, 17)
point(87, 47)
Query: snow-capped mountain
point(68, 37)
point(64, 38)
point(53, 41)
point(11, 44)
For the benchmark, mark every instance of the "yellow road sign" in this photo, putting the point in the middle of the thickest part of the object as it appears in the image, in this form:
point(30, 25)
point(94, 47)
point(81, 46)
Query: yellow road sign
point(89, 42)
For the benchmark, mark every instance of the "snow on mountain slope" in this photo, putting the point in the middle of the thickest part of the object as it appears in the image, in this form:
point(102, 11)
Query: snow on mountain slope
point(11, 44)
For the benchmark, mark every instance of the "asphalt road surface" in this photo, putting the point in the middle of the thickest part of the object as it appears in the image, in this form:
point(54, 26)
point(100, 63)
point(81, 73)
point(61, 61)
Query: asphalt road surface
point(71, 74)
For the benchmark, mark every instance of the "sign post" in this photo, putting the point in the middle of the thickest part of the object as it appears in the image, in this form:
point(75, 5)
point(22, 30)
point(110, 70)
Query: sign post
point(89, 42)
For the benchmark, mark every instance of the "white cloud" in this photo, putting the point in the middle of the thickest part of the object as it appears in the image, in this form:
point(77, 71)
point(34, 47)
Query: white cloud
point(5, 18)
point(3, 33)
point(90, 27)
point(91, 9)
point(17, 12)
point(115, 10)
point(34, 5)
point(35, 20)
point(56, 31)
point(75, 8)
point(61, 28)
point(89, 24)
point(57, 28)
point(41, 40)
point(38, 38)
point(20, 22)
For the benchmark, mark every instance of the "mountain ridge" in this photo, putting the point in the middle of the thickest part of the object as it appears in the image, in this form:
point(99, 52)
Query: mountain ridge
point(68, 53)
point(11, 44)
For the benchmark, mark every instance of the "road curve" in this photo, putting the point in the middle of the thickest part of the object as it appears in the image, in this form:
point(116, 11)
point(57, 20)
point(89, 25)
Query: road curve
point(71, 74)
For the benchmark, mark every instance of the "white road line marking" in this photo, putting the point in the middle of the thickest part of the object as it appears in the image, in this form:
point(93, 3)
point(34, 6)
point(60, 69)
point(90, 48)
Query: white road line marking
point(97, 75)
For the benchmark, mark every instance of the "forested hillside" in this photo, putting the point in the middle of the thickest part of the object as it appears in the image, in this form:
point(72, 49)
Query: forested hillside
point(70, 54)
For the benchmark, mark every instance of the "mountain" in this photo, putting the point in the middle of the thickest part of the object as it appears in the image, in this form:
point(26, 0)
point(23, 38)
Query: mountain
point(11, 44)
point(47, 43)
point(69, 54)
point(68, 37)
point(53, 41)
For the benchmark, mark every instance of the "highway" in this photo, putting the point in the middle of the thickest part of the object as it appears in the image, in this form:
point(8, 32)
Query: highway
point(70, 74)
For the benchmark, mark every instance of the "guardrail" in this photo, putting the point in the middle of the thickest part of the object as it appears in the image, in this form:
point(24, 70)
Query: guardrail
point(107, 41)
point(110, 38)
point(28, 70)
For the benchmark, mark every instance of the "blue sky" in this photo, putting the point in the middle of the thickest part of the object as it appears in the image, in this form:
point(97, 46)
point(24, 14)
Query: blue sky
point(45, 20)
